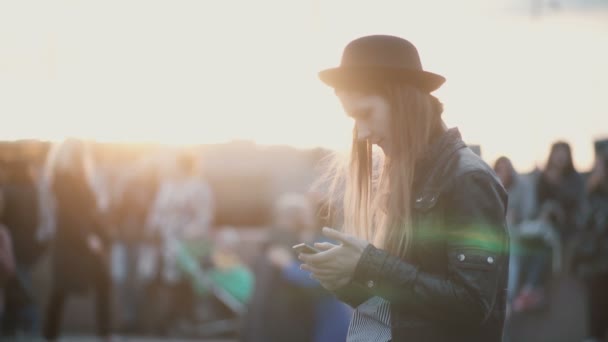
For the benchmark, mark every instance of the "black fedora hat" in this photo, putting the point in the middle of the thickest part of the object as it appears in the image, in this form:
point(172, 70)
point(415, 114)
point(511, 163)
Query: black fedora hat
point(380, 59)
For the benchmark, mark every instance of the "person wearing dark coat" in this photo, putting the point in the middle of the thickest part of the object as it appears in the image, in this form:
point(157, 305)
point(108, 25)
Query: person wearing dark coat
point(561, 184)
point(21, 218)
point(560, 196)
point(80, 244)
point(591, 254)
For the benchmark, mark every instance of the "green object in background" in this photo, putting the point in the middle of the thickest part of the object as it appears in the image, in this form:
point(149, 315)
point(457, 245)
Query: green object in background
point(238, 281)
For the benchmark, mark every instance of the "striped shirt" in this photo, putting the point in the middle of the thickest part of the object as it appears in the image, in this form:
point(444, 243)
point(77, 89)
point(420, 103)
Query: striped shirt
point(371, 322)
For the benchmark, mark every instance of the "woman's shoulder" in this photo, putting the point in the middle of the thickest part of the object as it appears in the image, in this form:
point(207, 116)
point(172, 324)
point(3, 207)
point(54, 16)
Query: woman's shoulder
point(464, 177)
point(466, 167)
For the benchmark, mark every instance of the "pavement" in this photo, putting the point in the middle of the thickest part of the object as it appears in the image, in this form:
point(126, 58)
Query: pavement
point(564, 320)
point(88, 338)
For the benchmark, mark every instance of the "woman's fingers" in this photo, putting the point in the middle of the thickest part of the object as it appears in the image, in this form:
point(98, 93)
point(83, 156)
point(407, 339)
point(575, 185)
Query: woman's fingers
point(324, 246)
point(339, 236)
point(319, 271)
point(319, 258)
point(323, 273)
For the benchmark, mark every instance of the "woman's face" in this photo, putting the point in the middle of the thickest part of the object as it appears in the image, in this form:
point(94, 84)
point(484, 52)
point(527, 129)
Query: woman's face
point(372, 117)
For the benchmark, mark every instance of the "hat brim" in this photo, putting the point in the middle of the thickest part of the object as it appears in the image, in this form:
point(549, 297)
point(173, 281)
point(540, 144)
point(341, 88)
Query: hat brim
point(349, 77)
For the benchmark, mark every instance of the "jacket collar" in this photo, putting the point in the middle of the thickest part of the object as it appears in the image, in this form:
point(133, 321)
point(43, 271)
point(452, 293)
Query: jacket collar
point(437, 153)
point(442, 147)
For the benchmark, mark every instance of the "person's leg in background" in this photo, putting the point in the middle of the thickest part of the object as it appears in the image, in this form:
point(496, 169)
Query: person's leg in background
point(128, 287)
point(11, 310)
point(29, 313)
point(597, 292)
point(30, 318)
point(148, 283)
point(515, 262)
point(54, 314)
point(540, 267)
point(22, 314)
point(103, 284)
point(536, 272)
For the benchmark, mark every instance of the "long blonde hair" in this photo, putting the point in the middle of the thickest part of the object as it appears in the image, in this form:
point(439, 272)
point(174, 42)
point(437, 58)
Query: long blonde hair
point(375, 198)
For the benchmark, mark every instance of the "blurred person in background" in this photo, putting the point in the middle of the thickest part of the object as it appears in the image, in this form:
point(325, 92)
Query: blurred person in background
point(46, 200)
point(134, 247)
point(538, 247)
point(424, 251)
point(561, 183)
point(7, 258)
point(287, 304)
point(591, 258)
point(522, 198)
point(79, 245)
point(21, 217)
point(182, 213)
point(522, 207)
point(546, 240)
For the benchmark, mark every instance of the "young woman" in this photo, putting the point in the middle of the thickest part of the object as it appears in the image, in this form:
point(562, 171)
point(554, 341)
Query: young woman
point(522, 208)
point(423, 255)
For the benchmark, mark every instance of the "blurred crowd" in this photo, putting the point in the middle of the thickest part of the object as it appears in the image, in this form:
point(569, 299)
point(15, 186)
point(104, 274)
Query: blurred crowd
point(144, 240)
point(558, 222)
point(141, 237)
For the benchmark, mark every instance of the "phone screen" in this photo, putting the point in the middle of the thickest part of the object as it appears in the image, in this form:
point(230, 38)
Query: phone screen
point(304, 248)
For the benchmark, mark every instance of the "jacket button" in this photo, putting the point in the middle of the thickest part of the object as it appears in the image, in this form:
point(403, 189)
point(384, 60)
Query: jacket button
point(370, 284)
point(461, 257)
point(419, 199)
point(490, 260)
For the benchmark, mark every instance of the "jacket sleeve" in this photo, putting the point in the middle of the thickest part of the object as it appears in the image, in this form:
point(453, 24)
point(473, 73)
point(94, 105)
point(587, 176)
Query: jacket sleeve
point(477, 259)
point(353, 294)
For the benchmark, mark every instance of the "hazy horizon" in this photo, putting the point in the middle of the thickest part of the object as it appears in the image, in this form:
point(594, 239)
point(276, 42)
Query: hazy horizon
point(192, 72)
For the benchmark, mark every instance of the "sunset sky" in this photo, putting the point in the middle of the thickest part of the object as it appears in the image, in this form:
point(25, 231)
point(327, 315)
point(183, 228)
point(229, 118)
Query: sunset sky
point(183, 72)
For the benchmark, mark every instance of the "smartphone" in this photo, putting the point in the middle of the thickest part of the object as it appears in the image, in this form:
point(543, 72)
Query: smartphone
point(304, 248)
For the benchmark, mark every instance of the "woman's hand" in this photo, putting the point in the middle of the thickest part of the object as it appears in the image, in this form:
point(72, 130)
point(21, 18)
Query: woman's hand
point(335, 266)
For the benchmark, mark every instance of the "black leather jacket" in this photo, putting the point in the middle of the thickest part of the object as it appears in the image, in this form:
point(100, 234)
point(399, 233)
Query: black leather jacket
point(451, 286)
